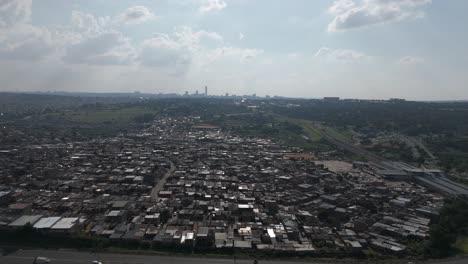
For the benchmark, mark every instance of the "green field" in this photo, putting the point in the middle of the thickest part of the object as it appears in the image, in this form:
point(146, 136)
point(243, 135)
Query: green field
point(308, 128)
point(285, 130)
point(116, 116)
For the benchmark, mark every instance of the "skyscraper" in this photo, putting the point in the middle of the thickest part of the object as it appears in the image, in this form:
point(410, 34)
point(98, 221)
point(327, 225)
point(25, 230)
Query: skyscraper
point(206, 90)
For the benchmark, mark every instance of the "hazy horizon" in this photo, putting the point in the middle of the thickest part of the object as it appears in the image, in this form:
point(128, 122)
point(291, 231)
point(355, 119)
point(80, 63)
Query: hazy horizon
point(368, 49)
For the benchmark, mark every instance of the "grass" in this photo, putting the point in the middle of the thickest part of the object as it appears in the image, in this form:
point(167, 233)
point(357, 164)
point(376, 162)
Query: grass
point(462, 245)
point(94, 122)
point(334, 133)
point(284, 130)
point(117, 116)
point(123, 115)
point(345, 132)
point(309, 130)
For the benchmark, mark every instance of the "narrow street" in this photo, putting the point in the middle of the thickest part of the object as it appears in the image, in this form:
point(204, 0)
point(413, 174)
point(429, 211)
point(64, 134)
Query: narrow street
point(161, 182)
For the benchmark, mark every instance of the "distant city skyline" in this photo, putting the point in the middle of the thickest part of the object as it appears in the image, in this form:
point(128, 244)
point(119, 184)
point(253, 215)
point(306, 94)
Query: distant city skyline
point(368, 49)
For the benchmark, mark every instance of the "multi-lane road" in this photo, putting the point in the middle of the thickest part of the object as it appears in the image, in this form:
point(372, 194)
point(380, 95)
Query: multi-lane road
point(75, 257)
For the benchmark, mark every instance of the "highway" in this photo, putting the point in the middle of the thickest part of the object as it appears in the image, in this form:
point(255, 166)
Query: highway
point(338, 141)
point(75, 257)
point(348, 146)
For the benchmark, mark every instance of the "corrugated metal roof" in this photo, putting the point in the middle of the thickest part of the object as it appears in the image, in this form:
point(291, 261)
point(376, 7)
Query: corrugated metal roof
point(23, 220)
point(65, 223)
point(46, 222)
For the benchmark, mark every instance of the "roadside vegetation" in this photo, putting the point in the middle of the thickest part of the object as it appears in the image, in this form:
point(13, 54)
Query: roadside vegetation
point(441, 126)
point(449, 235)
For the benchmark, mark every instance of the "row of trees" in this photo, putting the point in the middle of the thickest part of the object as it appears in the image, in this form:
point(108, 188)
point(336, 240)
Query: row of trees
point(413, 118)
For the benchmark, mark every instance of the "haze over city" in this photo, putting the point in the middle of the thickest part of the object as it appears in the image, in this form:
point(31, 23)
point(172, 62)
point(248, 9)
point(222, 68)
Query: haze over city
point(413, 49)
point(233, 131)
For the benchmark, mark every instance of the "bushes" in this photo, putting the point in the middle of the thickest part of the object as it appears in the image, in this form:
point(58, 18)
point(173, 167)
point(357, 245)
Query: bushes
point(453, 223)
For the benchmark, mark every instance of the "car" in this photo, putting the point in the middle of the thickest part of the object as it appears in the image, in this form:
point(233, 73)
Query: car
point(97, 262)
point(41, 260)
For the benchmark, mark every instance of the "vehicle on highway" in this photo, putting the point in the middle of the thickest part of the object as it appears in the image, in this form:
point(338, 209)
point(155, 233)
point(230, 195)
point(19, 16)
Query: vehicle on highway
point(97, 262)
point(41, 260)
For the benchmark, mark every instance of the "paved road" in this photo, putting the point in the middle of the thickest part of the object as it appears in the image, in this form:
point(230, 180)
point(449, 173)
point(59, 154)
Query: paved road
point(350, 147)
point(418, 142)
point(160, 184)
point(74, 257)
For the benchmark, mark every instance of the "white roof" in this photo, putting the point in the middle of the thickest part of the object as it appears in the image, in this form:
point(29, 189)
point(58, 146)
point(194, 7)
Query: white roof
point(114, 213)
point(65, 223)
point(271, 233)
point(46, 222)
point(190, 235)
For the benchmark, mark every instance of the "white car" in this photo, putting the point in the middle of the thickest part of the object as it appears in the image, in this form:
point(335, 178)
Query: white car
point(97, 262)
point(41, 260)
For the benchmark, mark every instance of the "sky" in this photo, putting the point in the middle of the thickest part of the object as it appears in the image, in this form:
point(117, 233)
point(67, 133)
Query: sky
point(369, 49)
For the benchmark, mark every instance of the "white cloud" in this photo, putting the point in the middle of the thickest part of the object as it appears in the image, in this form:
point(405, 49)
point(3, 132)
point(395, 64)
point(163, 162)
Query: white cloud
point(177, 51)
point(187, 48)
point(26, 43)
point(212, 5)
point(94, 49)
point(410, 60)
point(97, 40)
point(340, 54)
point(350, 14)
point(233, 53)
point(102, 49)
point(165, 51)
point(194, 39)
point(19, 40)
point(136, 15)
point(88, 24)
point(13, 12)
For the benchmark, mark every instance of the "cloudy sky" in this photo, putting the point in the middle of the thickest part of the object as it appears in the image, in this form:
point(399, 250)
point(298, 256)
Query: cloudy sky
point(414, 49)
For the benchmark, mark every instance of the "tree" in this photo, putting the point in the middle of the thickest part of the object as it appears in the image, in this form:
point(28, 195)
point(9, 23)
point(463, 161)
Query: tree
point(165, 216)
point(25, 231)
point(453, 222)
point(323, 216)
point(186, 202)
point(441, 241)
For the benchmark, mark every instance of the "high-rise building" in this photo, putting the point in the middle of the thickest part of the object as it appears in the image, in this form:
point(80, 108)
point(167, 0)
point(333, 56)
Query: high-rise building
point(206, 90)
